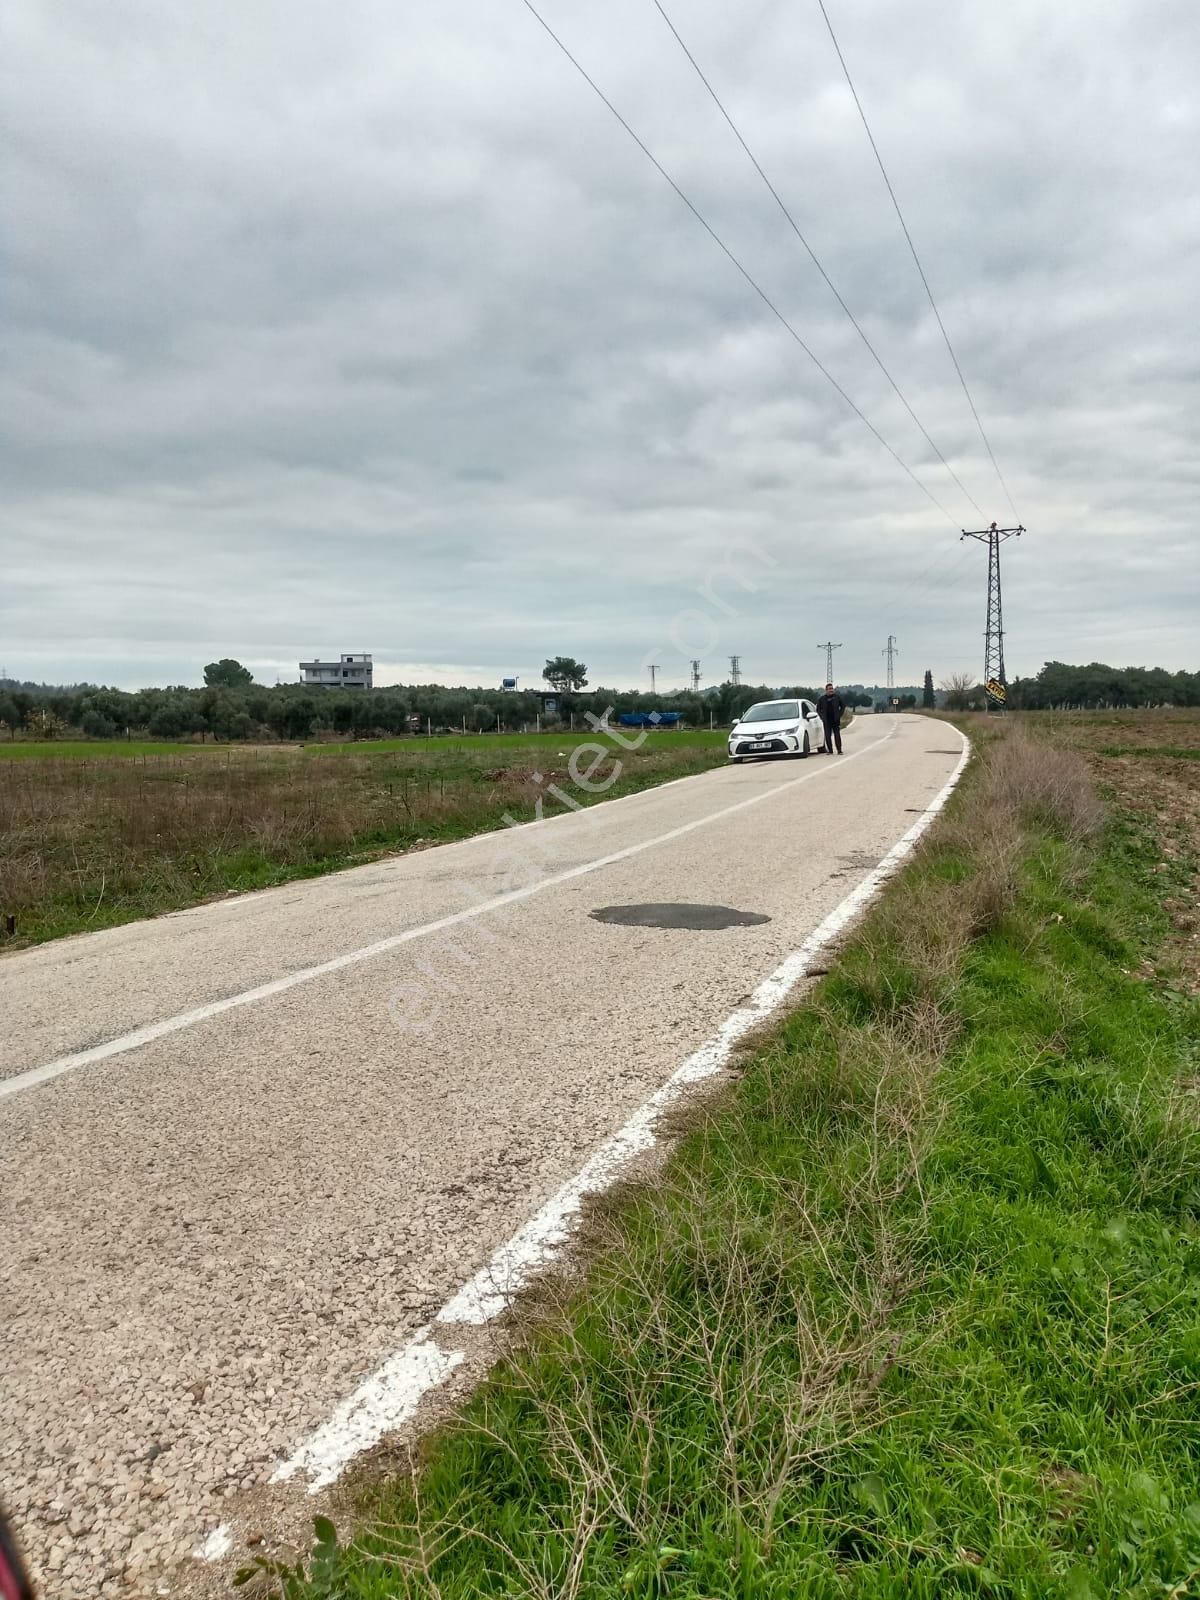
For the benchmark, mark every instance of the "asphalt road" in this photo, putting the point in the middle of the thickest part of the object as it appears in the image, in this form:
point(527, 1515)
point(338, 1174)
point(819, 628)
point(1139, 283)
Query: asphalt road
point(246, 1150)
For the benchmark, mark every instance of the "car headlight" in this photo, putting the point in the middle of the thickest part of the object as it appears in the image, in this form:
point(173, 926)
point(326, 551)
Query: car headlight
point(792, 729)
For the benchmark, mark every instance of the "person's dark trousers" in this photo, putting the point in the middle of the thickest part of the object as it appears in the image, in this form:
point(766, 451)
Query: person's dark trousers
point(833, 736)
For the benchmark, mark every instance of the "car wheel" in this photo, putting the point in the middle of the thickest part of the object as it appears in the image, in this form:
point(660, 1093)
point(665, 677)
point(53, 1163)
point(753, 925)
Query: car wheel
point(807, 748)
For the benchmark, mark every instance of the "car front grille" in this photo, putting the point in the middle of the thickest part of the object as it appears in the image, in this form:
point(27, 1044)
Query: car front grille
point(742, 748)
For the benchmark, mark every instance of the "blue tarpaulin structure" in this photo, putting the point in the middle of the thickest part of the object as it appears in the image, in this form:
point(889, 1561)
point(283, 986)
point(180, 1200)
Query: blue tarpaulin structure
point(650, 719)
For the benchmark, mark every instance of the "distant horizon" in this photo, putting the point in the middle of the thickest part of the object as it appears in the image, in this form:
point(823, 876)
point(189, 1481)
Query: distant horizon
point(539, 685)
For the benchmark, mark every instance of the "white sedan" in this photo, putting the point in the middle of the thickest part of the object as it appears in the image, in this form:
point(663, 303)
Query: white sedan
point(776, 728)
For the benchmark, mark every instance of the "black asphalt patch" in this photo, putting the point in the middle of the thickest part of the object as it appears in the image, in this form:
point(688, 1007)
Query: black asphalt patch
point(698, 918)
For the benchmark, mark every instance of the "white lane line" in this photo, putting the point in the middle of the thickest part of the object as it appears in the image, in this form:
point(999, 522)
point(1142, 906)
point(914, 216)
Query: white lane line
point(379, 1405)
point(396, 1389)
point(264, 991)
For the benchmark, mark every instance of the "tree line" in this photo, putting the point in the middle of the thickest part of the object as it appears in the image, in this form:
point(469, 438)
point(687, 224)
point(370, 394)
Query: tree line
point(1097, 686)
point(233, 708)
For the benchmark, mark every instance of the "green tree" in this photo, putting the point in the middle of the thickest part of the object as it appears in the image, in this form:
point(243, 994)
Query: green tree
point(172, 720)
point(928, 698)
point(564, 672)
point(227, 674)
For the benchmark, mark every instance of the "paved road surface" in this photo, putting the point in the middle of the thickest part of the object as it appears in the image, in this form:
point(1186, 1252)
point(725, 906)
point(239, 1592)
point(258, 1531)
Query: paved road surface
point(246, 1150)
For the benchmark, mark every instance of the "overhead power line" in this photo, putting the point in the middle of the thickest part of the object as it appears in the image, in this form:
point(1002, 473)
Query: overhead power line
point(813, 257)
point(916, 258)
point(724, 248)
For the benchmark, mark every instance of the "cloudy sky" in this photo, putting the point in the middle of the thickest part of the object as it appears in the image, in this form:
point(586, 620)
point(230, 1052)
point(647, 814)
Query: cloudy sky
point(367, 327)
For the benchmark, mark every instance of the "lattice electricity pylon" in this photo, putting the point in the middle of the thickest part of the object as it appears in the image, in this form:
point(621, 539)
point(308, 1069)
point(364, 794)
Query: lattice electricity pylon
point(829, 647)
point(891, 652)
point(695, 677)
point(994, 680)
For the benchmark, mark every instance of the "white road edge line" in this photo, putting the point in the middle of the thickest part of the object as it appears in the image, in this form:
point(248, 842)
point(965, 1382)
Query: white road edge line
point(264, 991)
point(219, 1543)
point(392, 1393)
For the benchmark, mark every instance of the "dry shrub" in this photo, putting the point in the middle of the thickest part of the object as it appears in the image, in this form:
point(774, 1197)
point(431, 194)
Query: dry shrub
point(1044, 786)
point(783, 1376)
point(926, 929)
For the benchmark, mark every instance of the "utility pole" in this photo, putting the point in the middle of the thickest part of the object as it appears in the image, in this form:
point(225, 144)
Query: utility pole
point(891, 653)
point(695, 677)
point(654, 679)
point(735, 670)
point(994, 680)
point(829, 647)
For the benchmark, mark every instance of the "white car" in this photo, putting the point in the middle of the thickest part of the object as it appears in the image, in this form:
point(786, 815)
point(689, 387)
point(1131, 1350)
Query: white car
point(776, 728)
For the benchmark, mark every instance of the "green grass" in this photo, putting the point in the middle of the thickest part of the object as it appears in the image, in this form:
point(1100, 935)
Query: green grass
point(106, 749)
point(915, 1313)
point(1163, 751)
point(101, 749)
point(534, 743)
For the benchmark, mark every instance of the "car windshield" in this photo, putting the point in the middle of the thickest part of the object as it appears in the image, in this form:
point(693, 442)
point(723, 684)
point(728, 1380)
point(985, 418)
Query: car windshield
point(772, 711)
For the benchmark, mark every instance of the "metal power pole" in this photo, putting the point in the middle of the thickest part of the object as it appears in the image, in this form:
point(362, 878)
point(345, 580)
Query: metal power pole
point(829, 647)
point(735, 670)
point(654, 679)
point(695, 677)
point(891, 652)
point(994, 680)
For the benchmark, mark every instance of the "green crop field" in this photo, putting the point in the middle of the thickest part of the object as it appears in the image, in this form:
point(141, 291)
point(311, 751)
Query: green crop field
point(533, 742)
point(103, 749)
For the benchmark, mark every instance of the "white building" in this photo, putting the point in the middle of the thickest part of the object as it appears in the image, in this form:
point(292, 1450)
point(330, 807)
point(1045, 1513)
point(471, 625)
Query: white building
point(349, 672)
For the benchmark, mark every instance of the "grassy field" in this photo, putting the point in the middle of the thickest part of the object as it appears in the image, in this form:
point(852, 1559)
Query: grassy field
point(100, 749)
point(131, 749)
point(86, 843)
point(531, 742)
point(916, 1311)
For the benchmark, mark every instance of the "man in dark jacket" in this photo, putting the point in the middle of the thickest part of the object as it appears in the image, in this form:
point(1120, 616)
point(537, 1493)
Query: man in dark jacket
point(831, 708)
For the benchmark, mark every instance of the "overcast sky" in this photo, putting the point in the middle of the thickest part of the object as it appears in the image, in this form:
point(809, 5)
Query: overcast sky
point(367, 327)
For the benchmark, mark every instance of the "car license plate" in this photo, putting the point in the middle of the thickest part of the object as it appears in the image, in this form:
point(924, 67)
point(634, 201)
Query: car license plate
point(761, 744)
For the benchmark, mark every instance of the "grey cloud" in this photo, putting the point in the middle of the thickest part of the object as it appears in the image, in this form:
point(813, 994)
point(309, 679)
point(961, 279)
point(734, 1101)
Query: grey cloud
point(371, 329)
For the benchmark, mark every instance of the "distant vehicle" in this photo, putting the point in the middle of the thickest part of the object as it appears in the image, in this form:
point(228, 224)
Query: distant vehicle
point(776, 728)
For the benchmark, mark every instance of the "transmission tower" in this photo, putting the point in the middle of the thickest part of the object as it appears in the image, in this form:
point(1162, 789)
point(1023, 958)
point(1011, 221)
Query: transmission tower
point(829, 647)
point(994, 680)
point(654, 679)
point(891, 652)
point(695, 677)
point(735, 670)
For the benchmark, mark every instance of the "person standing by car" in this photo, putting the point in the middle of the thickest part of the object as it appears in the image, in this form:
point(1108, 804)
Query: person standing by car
point(831, 708)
